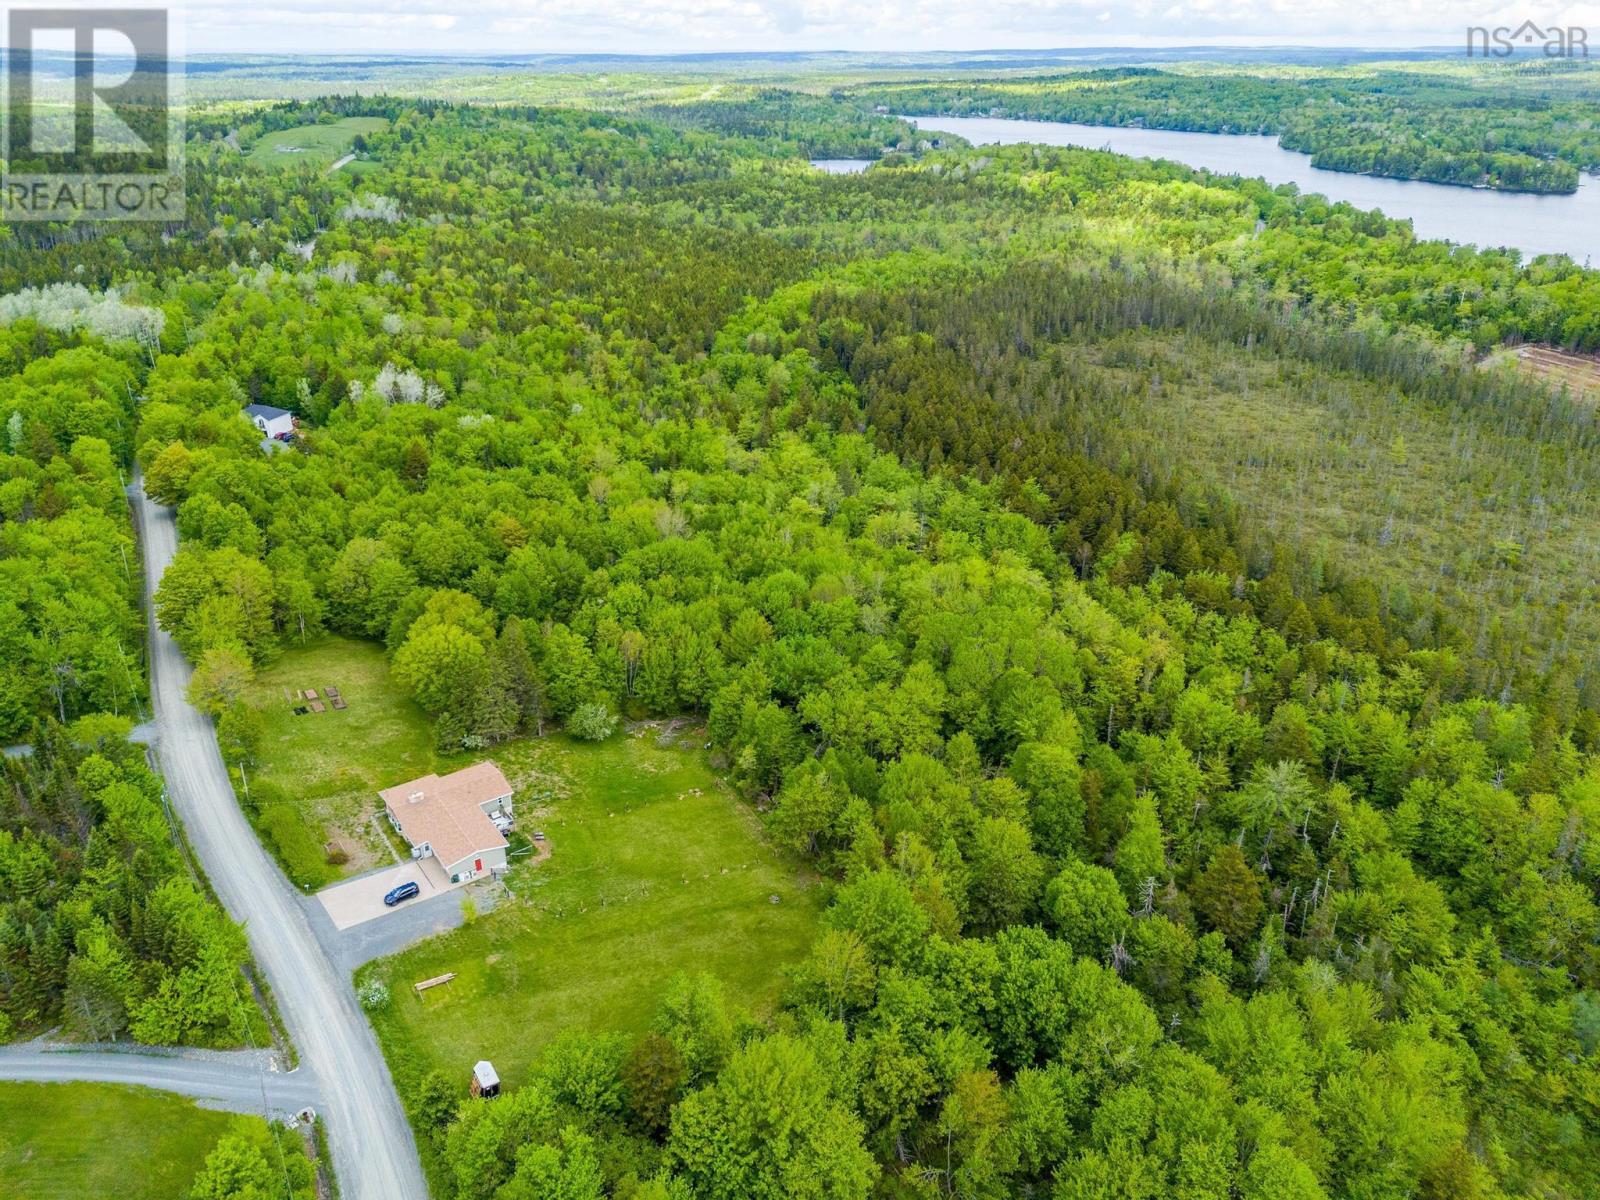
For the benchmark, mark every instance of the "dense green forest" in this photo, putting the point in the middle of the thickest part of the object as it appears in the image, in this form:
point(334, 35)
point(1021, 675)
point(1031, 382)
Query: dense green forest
point(1174, 849)
point(103, 933)
point(70, 630)
point(1522, 128)
point(784, 121)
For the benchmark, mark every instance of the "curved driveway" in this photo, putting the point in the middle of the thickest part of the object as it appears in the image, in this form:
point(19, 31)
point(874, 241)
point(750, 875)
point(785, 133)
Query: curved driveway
point(373, 1149)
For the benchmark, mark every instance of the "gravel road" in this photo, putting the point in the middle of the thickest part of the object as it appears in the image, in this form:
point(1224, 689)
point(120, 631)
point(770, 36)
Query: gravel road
point(239, 1081)
point(374, 1152)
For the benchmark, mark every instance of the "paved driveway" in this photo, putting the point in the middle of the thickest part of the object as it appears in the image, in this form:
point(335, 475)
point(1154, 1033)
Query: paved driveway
point(361, 899)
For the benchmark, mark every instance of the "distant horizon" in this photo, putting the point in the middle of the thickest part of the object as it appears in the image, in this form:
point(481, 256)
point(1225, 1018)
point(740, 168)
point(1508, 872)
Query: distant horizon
point(1262, 48)
point(811, 53)
point(671, 29)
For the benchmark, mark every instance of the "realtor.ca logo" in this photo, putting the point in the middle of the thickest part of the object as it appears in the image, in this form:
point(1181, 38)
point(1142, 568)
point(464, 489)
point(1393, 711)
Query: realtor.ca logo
point(1553, 41)
point(93, 119)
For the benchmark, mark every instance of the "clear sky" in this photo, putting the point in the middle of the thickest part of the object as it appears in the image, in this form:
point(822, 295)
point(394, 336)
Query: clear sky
point(687, 26)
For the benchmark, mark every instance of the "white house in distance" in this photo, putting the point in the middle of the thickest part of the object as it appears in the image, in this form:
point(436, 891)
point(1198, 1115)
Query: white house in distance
point(458, 818)
point(270, 421)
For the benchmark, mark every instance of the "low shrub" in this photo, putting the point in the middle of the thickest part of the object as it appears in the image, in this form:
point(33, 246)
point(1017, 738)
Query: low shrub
point(592, 722)
point(298, 847)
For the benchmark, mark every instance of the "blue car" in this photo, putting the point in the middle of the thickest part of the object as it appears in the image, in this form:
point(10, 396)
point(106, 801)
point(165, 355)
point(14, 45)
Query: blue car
point(404, 892)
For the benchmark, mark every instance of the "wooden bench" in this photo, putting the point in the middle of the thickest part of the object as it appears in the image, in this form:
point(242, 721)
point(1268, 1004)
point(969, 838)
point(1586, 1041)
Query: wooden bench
point(434, 982)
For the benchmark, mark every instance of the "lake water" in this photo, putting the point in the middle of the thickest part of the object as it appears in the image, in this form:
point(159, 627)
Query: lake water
point(1532, 224)
point(842, 166)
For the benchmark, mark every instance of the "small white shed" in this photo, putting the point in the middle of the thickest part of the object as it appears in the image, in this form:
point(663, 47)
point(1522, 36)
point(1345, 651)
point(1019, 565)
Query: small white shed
point(485, 1080)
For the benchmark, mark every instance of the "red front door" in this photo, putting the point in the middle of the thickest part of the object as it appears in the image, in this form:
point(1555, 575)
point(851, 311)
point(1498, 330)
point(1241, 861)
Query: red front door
point(477, 864)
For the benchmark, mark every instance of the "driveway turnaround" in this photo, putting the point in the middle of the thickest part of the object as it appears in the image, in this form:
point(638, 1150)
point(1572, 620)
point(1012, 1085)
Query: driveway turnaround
point(242, 1081)
point(358, 900)
point(408, 924)
point(373, 1150)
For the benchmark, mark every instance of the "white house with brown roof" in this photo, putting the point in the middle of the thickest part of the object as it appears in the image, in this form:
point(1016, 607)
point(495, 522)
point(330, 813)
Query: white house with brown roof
point(457, 818)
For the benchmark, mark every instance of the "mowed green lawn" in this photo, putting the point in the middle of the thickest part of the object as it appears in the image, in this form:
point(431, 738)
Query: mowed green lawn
point(330, 765)
point(83, 1141)
point(656, 868)
point(320, 145)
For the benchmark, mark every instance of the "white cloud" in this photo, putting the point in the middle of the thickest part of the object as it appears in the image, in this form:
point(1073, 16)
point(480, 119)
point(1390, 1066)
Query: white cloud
point(677, 26)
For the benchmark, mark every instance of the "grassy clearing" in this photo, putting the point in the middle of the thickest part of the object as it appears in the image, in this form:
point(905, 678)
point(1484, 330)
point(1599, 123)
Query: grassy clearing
point(319, 145)
point(80, 1141)
point(656, 868)
point(319, 774)
point(1578, 373)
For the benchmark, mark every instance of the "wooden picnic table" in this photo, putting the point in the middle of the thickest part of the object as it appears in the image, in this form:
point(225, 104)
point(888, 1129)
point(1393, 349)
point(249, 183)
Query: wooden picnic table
point(317, 706)
point(311, 693)
point(339, 703)
point(332, 693)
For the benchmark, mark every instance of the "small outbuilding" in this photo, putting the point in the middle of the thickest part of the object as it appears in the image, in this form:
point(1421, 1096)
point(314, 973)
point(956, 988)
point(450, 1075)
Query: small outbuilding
point(272, 422)
point(485, 1081)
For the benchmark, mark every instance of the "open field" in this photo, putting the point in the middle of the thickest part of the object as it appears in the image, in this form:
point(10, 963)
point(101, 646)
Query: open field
point(1578, 373)
point(316, 144)
point(323, 770)
point(656, 869)
point(85, 1141)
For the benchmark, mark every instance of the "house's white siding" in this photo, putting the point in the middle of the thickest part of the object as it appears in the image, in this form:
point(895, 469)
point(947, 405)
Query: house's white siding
point(492, 860)
point(500, 804)
point(273, 426)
